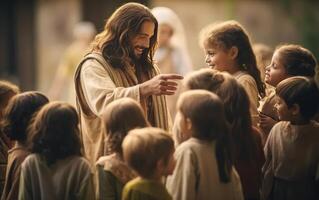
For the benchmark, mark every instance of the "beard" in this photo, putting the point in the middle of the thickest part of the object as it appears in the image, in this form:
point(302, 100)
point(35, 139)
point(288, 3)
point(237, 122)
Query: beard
point(138, 60)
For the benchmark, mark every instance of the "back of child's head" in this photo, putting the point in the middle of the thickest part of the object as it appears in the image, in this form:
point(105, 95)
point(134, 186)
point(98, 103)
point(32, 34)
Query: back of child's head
point(54, 132)
point(298, 61)
point(236, 103)
point(19, 113)
point(205, 110)
point(233, 95)
point(301, 91)
point(230, 34)
point(7, 91)
point(119, 117)
point(143, 148)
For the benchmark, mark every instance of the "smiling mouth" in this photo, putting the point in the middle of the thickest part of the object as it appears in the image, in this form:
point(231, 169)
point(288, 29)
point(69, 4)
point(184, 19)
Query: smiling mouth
point(139, 50)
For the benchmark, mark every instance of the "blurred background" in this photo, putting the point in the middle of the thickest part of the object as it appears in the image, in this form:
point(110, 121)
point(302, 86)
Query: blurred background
point(34, 34)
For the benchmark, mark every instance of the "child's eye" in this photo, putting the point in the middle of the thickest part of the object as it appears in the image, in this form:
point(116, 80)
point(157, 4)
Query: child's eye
point(210, 53)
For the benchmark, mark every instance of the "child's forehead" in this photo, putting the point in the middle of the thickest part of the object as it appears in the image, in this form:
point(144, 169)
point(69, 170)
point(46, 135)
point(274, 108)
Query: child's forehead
point(210, 44)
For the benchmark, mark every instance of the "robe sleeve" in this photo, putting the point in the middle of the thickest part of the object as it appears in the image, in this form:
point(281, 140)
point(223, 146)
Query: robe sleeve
point(100, 90)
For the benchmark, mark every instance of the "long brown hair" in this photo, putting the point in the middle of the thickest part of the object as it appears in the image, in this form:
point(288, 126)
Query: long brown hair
point(115, 40)
point(55, 133)
point(206, 112)
point(19, 113)
point(236, 103)
point(231, 33)
point(120, 117)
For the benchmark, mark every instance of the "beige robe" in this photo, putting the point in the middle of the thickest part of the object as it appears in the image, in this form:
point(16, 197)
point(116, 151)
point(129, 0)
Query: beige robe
point(97, 84)
point(196, 174)
point(66, 179)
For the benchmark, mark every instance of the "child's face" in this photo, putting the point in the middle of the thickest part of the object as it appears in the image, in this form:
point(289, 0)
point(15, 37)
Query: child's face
point(276, 71)
point(217, 58)
point(284, 113)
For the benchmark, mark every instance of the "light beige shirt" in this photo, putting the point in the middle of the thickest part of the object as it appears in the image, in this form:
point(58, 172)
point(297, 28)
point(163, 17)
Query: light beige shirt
point(292, 153)
point(97, 84)
point(196, 174)
point(70, 178)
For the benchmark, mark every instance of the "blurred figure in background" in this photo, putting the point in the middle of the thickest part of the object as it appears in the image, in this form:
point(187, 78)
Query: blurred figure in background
point(172, 55)
point(263, 55)
point(63, 85)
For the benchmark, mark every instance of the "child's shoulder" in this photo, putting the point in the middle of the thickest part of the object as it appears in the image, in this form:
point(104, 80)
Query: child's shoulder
point(140, 188)
point(191, 146)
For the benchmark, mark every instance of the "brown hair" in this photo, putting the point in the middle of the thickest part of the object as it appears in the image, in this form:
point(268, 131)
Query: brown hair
point(236, 103)
point(55, 133)
point(206, 112)
point(19, 113)
point(298, 61)
point(231, 33)
point(120, 28)
point(121, 116)
point(302, 91)
point(7, 91)
point(143, 148)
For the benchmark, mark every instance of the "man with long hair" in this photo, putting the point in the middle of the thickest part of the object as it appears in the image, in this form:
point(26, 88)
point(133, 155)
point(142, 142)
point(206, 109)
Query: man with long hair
point(121, 65)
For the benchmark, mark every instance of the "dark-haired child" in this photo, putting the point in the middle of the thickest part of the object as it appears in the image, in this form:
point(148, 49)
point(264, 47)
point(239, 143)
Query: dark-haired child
point(55, 169)
point(204, 167)
point(287, 61)
point(7, 91)
point(227, 48)
point(17, 117)
point(119, 117)
point(291, 170)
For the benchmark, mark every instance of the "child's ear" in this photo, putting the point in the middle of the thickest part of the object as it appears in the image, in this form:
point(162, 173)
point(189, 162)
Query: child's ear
point(189, 124)
point(233, 52)
point(295, 109)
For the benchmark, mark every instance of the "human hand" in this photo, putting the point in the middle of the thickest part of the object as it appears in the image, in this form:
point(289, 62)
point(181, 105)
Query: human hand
point(161, 84)
point(266, 122)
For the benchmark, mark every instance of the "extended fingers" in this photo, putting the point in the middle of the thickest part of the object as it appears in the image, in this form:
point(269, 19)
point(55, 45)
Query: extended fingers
point(171, 76)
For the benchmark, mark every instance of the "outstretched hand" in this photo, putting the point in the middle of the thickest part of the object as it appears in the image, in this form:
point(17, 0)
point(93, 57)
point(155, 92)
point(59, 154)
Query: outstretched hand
point(162, 84)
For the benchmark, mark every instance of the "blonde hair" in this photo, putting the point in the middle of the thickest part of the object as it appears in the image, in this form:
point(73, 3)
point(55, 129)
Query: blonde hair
point(143, 148)
point(121, 116)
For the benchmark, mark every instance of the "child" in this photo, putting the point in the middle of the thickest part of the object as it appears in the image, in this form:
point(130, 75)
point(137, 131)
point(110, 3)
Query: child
point(16, 119)
point(248, 154)
point(112, 171)
point(149, 151)
point(227, 48)
point(55, 169)
point(204, 168)
point(7, 91)
point(287, 61)
point(292, 150)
